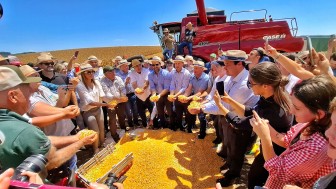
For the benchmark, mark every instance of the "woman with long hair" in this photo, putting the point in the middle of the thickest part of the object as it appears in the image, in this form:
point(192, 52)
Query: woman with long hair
point(267, 81)
point(91, 93)
point(305, 158)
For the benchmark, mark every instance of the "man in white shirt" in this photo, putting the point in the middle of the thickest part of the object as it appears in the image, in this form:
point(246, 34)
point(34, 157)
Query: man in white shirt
point(114, 89)
point(140, 84)
point(237, 141)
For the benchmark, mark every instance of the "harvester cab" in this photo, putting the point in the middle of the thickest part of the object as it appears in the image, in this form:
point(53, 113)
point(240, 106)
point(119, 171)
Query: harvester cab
point(213, 29)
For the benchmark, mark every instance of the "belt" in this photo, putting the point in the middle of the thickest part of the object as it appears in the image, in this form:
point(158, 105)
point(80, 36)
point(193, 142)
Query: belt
point(129, 94)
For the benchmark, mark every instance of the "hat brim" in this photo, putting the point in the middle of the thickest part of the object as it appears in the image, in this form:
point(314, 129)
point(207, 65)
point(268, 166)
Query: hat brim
point(32, 80)
point(136, 64)
point(87, 69)
point(127, 63)
point(174, 61)
point(161, 62)
point(88, 61)
point(200, 66)
point(232, 58)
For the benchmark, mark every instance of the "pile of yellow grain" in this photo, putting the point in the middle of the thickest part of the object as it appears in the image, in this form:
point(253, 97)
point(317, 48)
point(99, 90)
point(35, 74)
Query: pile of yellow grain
point(165, 159)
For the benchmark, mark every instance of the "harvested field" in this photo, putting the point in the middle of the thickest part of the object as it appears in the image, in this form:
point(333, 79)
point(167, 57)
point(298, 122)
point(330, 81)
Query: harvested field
point(104, 53)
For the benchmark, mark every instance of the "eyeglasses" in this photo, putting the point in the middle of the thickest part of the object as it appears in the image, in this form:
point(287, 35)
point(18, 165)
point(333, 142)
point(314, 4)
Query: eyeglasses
point(155, 64)
point(90, 72)
point(250, 85)
point(48, 63)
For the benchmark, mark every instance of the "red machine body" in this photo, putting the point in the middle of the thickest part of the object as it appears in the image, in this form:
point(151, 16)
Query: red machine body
point(213, 30)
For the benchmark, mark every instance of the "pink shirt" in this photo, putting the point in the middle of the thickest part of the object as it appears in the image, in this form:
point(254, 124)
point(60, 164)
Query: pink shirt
point(302, 163)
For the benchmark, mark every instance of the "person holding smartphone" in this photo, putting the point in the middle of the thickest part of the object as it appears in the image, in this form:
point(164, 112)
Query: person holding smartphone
point(267, 81)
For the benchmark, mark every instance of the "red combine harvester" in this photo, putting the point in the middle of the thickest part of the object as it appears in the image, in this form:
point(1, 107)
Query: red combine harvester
point(213, 30)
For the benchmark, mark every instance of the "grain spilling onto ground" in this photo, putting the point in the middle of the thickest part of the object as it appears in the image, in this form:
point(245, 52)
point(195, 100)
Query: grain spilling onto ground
point(165, 159)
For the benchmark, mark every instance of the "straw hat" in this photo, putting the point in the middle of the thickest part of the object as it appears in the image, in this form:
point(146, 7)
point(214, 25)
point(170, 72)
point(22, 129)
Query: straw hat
point(27, 70)
point(85, 67)
point(135, 62)
point(200, 64)
point(119, 58)
point(188, 57)
point(45, 57)
point(156, 59)
point(179, 58)
point(166, 30)
point(93, 58)
point(189, 24)
point(2, 58)
point(122, 62)
point(234, 55)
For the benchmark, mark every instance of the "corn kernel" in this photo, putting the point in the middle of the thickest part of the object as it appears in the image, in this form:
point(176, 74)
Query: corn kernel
point(138, 90)
point(85, 132)
point(164, 159)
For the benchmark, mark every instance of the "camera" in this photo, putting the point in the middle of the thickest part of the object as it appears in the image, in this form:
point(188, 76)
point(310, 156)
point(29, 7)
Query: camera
point(34, 163)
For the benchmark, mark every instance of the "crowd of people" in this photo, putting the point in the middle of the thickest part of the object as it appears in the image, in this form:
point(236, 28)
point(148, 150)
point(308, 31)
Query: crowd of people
point(286, 103)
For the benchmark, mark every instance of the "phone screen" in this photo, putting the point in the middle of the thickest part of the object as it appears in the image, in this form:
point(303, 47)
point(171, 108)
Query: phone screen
point(220, 87)
point(76, 54)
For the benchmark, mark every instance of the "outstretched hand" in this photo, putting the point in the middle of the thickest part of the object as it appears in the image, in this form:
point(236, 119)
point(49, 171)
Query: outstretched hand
point(5, 178)
point(260, 126)
point(217, 98)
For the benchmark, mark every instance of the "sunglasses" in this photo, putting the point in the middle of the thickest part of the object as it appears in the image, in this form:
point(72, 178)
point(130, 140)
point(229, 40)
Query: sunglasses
point(90, 72)
point(48, 63)
point(155, 64)
point(250, 85)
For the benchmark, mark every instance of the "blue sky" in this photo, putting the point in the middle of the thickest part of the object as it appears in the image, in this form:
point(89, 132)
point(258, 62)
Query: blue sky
point(36, 25)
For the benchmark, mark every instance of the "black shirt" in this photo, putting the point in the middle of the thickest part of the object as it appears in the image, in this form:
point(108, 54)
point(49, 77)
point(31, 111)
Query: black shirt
point(267, 109)
point(57, 79)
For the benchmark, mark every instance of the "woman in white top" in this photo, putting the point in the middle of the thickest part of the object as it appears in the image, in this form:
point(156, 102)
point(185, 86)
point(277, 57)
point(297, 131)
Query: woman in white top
point(91, 93)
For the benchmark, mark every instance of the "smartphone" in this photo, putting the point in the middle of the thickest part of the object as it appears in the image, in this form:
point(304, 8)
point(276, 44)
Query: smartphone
point(266, 42)
point(220, 87)
point(310, 47)
point(76, 54)
point(219, 46)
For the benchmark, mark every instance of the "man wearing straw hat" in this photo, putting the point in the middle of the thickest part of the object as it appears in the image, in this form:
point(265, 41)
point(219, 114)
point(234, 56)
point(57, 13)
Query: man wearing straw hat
point(131, 107)
point(168, 40)
point(140, 84)
point(188, 39)
point(46, 62)
point(159, 82)
point(178, 85)
point(95, 63)
point(198, 85)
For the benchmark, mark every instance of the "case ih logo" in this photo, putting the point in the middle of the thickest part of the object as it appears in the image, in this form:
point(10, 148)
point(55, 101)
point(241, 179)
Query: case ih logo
point(202, 43)
point(274, 37)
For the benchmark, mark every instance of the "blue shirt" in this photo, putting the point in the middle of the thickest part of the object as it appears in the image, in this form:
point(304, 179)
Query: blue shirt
point(159, 82)
point(180, 81)
point(200, 84)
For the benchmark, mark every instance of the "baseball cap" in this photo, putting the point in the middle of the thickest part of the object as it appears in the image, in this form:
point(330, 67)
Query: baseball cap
point(108, 69)
point(213, 55)
point(11, 76)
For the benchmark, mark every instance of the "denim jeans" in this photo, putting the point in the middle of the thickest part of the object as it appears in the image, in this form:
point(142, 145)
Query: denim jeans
point(131, 109)
point(168, 54)
point(182, 45)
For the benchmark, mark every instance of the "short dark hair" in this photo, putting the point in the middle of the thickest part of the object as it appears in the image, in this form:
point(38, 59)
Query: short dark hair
point(333, 56)
point(236, 62)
